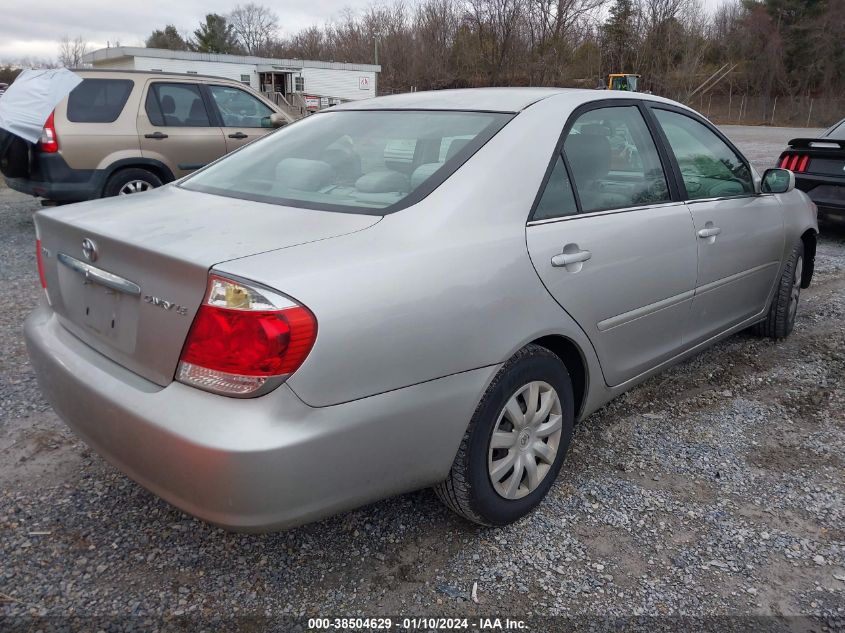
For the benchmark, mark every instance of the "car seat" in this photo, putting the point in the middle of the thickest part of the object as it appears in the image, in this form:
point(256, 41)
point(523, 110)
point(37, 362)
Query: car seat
point(168, 109)
point(589, 158)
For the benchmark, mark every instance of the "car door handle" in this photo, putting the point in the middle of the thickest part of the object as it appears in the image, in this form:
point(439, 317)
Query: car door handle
point(567, 259)
point(157, 135)
point(710, 231)
point(238, 135)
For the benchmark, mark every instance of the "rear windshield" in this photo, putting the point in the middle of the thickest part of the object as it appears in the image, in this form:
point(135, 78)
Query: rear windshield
point(98, 100)
point(375, 161)
point(837, 131)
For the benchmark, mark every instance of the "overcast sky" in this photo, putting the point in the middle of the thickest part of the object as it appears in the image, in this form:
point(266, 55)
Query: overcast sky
point(32, 28)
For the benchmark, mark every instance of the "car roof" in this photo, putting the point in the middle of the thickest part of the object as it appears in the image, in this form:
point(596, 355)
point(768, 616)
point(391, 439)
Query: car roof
point(488, 99)
point(82, 72)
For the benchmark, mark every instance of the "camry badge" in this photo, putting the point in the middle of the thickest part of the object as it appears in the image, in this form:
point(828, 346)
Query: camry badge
point(89, 249)
point(166, 305)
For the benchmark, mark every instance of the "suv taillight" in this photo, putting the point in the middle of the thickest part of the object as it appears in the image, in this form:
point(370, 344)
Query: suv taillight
point(49, 141)
point(245, 339)
point(39, 258)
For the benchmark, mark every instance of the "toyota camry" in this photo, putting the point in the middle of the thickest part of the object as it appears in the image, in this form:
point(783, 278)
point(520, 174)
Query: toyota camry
point(416, 290)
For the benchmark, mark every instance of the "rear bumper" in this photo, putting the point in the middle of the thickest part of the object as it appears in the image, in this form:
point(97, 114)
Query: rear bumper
point(53, 179)
point(828, 193)
point(256, 464)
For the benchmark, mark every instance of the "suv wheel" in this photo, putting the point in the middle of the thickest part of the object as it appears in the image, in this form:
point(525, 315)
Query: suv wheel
point(516, 441)
point(129, 181)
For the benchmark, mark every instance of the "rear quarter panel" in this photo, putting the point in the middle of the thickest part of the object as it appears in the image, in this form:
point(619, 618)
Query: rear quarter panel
point(97, 145)
point(442, 287)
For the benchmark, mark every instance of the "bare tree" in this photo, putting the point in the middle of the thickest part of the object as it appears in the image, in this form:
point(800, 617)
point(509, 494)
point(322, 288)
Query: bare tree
point(255, 26)
point(71, 51)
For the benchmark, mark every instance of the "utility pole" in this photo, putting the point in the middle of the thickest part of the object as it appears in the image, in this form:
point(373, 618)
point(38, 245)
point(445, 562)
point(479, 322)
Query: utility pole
point(376, 35)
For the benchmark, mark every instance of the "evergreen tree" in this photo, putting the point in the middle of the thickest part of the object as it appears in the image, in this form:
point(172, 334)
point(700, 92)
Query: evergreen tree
point(169, 38)
point(215, 35)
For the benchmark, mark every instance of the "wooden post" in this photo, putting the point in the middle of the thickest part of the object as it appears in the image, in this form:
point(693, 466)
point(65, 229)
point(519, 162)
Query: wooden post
point(709, 103)
point(810, 113)
point(730, 101)
point(774, 108)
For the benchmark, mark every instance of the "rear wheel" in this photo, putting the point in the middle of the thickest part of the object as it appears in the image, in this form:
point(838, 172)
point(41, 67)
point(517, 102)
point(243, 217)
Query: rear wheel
point(516, 441)
point(781, 318)
point(129, 181)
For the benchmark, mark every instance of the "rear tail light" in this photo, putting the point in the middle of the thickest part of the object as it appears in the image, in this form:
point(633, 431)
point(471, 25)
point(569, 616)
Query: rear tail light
point(39, 257)
point(794, 162)
point(245, 339)
point(49, 140)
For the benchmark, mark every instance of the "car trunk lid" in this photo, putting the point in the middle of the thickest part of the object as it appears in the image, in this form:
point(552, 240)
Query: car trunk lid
point(127, 275)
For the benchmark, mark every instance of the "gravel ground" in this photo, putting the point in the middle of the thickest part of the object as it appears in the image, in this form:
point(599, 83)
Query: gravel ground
point(715, 488)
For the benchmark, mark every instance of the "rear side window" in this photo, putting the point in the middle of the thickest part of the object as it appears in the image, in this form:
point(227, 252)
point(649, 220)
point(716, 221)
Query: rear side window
point(614, 160)
point(558, 199)
point(709, 167)
point(176, 105)
point(98, 100)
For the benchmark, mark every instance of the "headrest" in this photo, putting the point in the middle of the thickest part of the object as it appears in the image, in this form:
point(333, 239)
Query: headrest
point(346, 163)
point(382, 182)
point(456, 146)
point(588, 155)
point(168, 105)
point(304, 174)
point(197, 110)
point(423, 173)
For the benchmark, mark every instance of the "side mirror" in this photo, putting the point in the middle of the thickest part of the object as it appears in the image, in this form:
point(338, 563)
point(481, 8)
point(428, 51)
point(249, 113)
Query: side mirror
point(777, 181)
point(278, 120)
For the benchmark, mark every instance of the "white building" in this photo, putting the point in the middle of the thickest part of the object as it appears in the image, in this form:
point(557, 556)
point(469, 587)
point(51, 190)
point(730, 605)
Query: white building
point(324, 82)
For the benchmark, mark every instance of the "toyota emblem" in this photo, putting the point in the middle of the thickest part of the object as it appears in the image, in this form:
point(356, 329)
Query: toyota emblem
point(89, 249)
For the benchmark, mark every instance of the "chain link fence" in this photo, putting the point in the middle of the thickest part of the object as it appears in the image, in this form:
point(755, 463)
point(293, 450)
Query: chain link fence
point(741, 109)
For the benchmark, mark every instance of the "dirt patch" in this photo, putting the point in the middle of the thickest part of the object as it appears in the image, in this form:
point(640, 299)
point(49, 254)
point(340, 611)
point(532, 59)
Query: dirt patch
point(37, 452)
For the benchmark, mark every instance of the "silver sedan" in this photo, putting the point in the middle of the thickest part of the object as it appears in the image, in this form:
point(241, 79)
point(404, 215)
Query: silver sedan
point(417, 290)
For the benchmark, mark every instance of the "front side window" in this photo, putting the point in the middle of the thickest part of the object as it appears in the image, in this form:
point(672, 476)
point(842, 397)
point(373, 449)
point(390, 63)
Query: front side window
point(709, 167)
point(98, 100)
point(373, 161)
point(614, 160)
point(239, 109)
point(176, 105)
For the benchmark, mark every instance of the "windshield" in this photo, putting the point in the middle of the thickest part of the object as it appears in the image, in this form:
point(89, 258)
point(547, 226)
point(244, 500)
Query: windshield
point(375, 161)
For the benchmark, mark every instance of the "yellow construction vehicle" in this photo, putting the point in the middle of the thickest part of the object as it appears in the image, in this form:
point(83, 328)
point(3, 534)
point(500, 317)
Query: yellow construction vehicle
point(622, 81)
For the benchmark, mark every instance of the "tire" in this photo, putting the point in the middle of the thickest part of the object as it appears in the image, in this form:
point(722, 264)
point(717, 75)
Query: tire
point(469, 489)
point(121, 182)
point(781, 318)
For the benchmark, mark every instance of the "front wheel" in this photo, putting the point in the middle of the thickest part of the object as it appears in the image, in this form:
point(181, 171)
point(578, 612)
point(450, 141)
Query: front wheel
point(781, 317)
point(516, 441)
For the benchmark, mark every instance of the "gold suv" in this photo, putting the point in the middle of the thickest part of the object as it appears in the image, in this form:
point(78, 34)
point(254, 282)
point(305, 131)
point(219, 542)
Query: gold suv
point(122, 132)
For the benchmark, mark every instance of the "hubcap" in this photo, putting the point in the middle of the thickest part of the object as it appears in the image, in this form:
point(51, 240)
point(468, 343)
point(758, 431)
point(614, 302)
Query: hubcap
point(525, 440)
point(796, 289)
point(134, 186)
